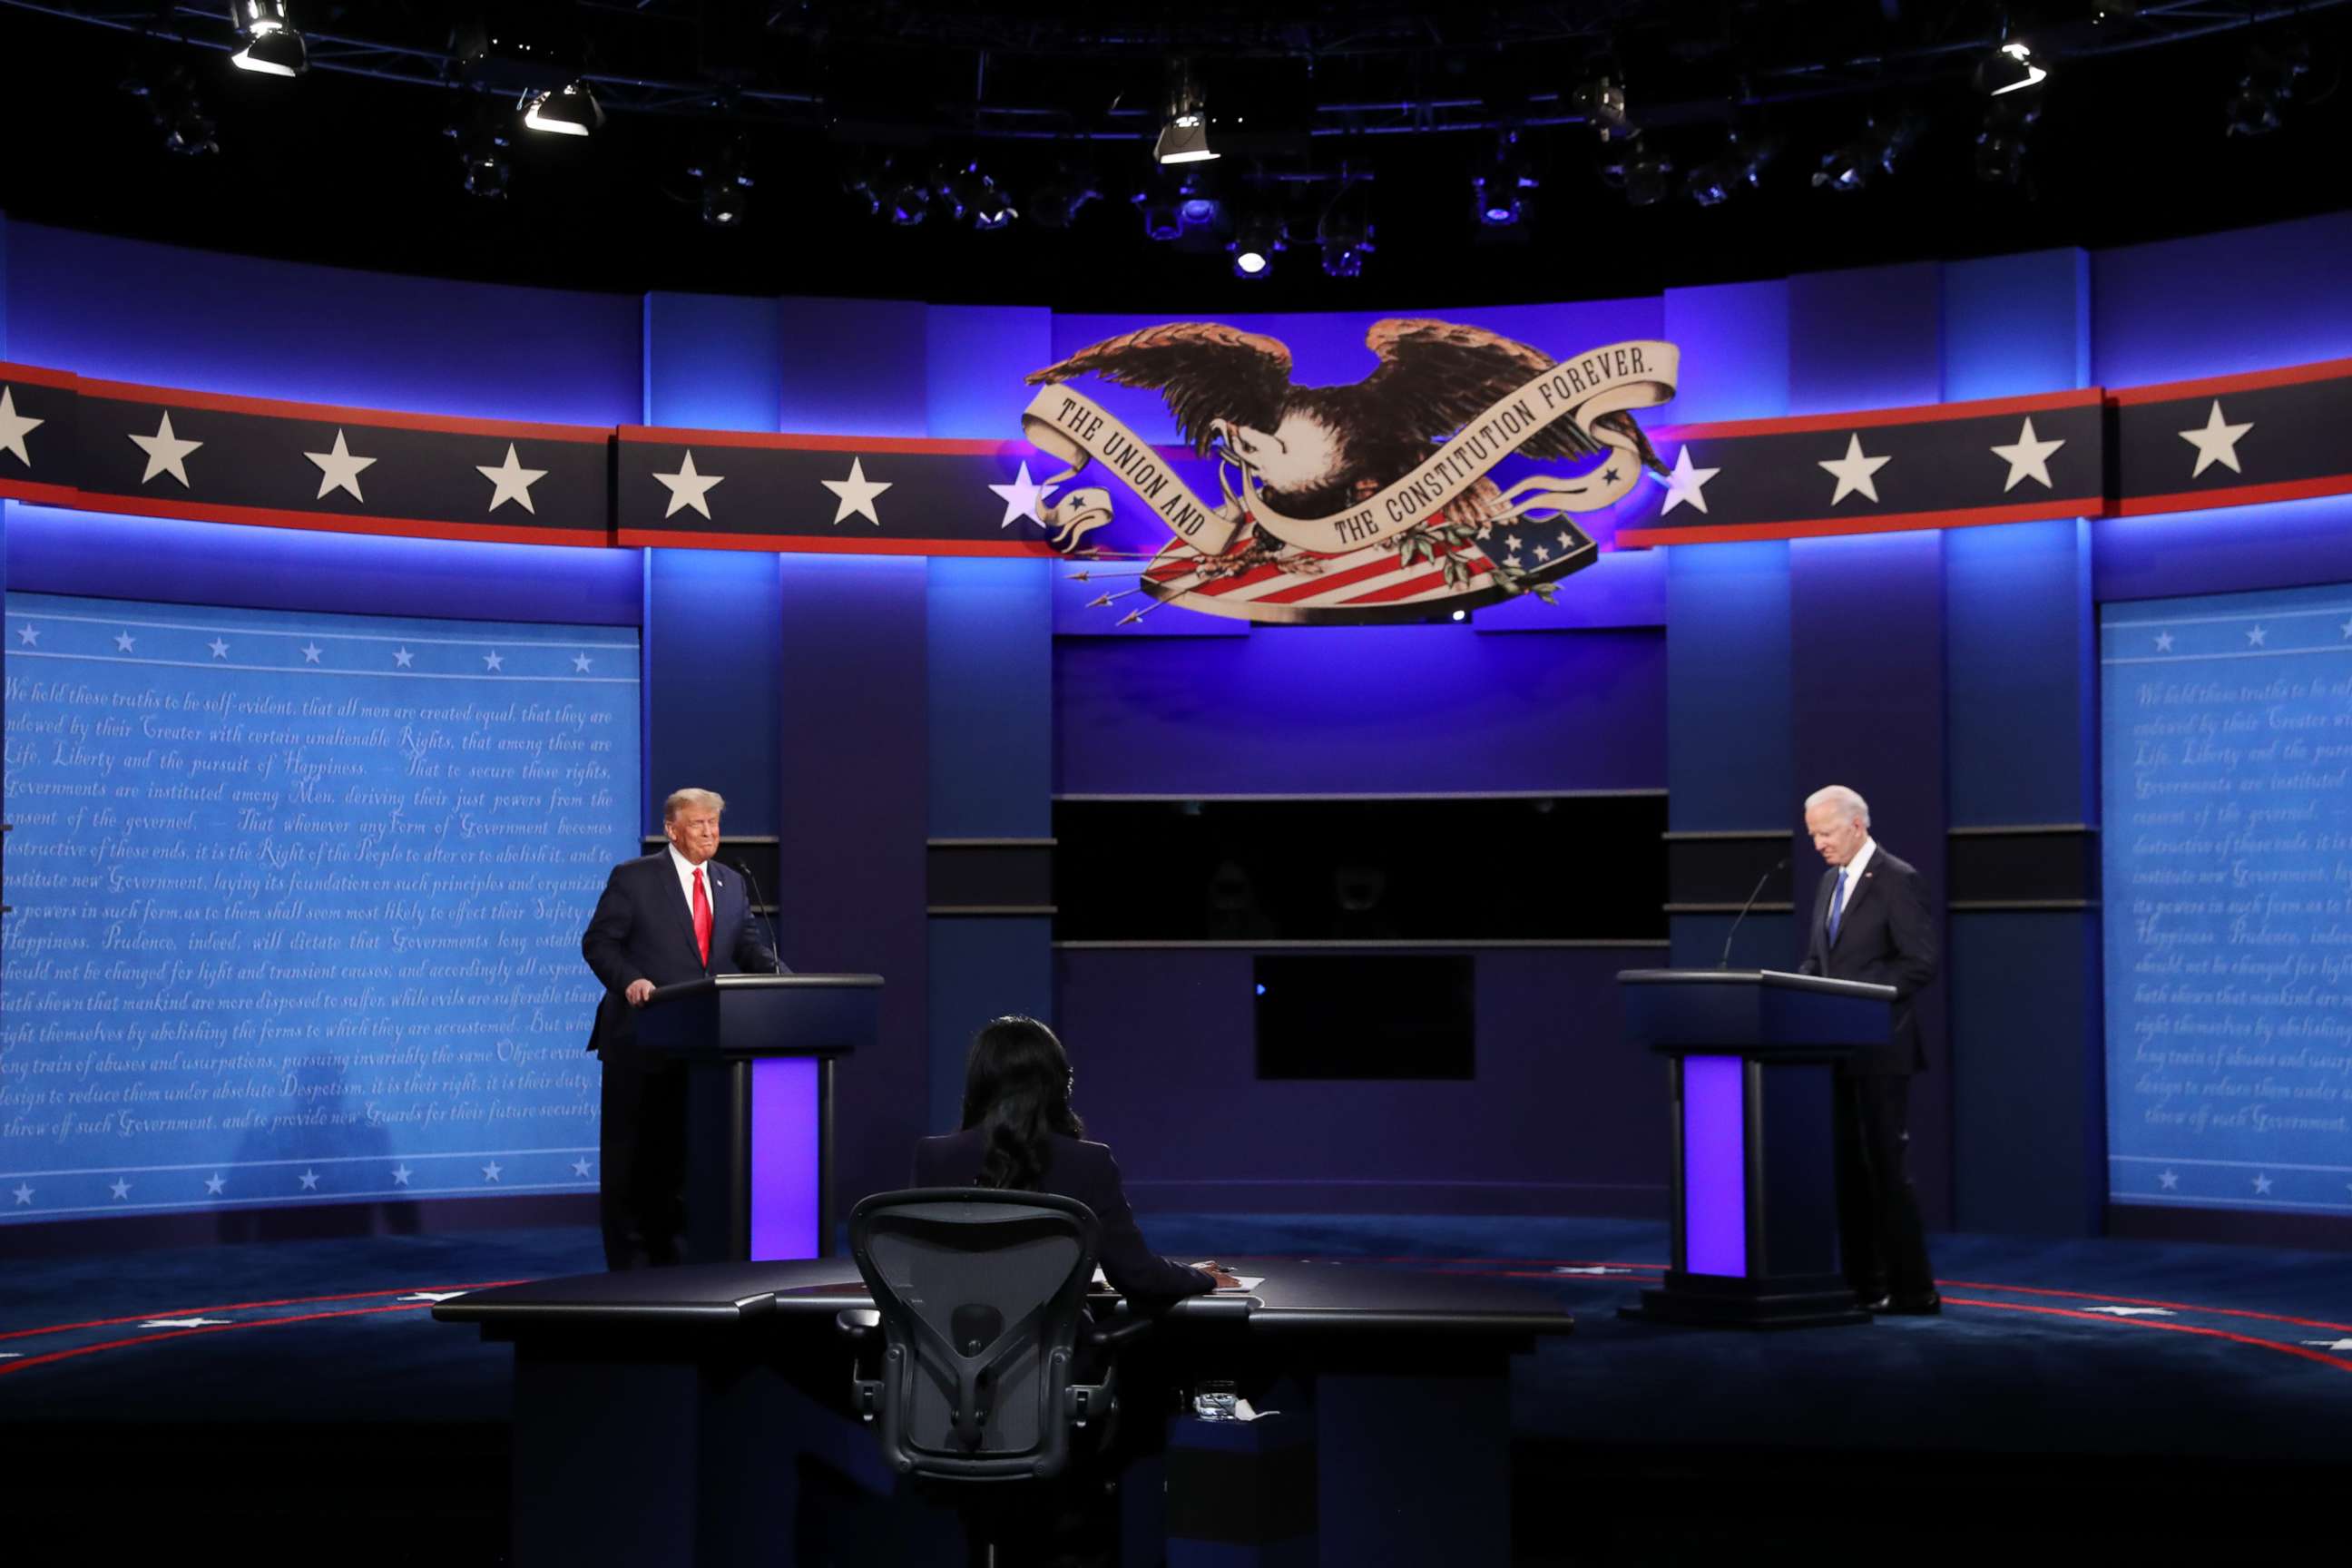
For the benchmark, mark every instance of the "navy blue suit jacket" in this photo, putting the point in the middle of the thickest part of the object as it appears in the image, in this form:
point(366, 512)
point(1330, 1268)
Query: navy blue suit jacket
point(1085, 1172)
point(643, 929)
point(1886, 936)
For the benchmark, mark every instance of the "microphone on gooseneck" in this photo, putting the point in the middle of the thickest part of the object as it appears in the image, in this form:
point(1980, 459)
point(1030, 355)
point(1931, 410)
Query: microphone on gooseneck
point(1777, 867)
point(774, 956)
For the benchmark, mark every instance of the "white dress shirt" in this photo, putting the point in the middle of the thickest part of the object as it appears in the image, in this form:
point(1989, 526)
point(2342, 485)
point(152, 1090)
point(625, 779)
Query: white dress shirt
point(1853, 869)
point(686, 869)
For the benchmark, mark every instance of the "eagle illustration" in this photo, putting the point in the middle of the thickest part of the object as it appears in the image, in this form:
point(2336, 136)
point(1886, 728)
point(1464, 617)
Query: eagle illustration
point(1318, 449)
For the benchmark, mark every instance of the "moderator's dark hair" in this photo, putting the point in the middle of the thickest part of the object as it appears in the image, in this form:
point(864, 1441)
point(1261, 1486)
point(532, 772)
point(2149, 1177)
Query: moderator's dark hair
point(1016, 1085)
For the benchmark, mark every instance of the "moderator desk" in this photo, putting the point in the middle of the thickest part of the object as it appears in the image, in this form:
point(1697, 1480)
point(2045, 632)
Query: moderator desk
point(700, 1413)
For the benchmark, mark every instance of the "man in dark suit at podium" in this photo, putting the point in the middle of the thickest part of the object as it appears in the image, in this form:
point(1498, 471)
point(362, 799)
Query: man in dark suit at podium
point(663, 920)
point(1871, 922)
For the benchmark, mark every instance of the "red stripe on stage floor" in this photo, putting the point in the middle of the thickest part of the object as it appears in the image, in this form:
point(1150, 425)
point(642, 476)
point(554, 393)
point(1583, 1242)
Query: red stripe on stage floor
point(2143, 1302)
point(251, 1306)
point(2338, 1362)
point(30, 1362)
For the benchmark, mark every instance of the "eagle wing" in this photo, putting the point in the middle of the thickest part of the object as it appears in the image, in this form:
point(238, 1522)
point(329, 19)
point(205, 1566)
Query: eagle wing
point(1203, 370)
point(1436, 376)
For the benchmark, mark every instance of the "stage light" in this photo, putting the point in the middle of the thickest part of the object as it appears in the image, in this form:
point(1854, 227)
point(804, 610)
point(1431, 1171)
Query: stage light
point(910, 203)
point(1601, 103)
point(272, 46)
point(178, 113)
point(1160, 218)
point(726, 186)
point(1639, 174)
point(1861, 161)
point(2267, 85)
point(1261, 236)
point(967, 192)
point(1743, 160)
point(2009, 68)
point(1461, 614)
point(1054, 201)
point(1185, 138)
point(482, 160)
point(2002, 145)
point(1344, 233)
point(570, 110)
point(1498, 190)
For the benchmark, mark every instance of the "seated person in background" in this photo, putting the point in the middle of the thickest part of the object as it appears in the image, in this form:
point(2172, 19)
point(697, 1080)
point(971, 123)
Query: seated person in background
point(1019, 1132)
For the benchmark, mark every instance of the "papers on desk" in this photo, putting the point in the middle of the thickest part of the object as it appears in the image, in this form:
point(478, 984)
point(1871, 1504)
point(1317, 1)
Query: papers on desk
point(1248, 1282)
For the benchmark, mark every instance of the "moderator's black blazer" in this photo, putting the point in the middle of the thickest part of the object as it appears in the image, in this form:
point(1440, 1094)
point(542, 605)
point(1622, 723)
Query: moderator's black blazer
point(1886, 936)
point(1074, 1169)
point(643, 929)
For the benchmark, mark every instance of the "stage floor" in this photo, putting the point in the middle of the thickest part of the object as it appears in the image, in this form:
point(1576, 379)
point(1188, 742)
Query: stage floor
point(2121, 1392)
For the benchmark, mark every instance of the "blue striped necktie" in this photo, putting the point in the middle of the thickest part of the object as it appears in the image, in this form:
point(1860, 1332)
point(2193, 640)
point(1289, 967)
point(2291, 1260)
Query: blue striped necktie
point(1837, 903)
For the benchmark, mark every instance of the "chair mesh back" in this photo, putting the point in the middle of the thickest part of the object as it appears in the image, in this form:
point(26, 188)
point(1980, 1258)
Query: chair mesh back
point(976, 1297)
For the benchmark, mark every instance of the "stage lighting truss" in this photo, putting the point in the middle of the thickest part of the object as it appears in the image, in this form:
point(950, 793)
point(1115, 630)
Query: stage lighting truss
point(269, 45)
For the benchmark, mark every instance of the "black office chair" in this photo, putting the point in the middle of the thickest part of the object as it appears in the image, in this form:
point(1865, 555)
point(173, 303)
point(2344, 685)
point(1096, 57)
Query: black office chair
point(980, 1297)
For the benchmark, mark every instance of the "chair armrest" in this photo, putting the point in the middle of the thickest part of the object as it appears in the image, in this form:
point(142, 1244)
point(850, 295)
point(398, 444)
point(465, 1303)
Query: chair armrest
point(856, 1322)
point(1134, 1328)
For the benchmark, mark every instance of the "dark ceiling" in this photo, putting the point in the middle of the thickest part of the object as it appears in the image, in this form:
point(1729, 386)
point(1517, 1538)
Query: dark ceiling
point(353, 164)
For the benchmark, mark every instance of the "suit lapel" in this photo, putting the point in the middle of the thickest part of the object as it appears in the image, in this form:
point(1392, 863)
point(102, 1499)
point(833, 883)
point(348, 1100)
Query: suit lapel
point(680, 901)
point(1855, 895)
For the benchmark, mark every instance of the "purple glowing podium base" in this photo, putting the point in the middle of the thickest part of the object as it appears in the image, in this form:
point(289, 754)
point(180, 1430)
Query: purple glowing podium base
point(1752, 1057)
point(759, 1051)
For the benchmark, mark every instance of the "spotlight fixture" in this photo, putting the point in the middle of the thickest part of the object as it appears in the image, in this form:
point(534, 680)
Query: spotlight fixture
point(2002, 145)
point(909, 203)
point(2010, 68)
point(568, 110)
point(178, 113)
point(1601, 103)
point(1499, 189)
point(1639, 174)
point(1344, 232)
point(1261, 235)
point(1185, 138)
point(973, 195)
point(726, 186)
point(1054, 201)
point(1861, 161)
point(2267, 85)
point(1170, 212)
point(482, 160)
point(1742, 163)
point(272, 46)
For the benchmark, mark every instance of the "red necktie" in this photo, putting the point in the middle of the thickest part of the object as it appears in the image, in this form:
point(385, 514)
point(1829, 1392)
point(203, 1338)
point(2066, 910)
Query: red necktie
point(702, 918)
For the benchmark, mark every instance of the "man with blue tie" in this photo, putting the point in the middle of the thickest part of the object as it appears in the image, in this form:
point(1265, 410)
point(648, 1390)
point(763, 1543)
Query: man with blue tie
point(664, 919)
point(1871, 922)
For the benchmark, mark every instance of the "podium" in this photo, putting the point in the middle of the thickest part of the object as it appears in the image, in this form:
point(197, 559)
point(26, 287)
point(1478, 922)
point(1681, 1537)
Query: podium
point(1752, 1057)
point(758, 1051)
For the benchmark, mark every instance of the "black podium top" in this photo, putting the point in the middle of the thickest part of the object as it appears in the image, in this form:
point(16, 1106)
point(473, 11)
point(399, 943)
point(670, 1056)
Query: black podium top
point(1767, 1013)
point(737, 1016)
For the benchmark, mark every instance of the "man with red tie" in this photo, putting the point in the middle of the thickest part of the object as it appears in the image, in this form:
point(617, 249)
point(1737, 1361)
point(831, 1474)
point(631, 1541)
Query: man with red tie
point(663, 920)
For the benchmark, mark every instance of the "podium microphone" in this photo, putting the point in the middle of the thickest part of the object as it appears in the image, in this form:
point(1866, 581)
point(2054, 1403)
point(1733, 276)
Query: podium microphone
point(1725, 962)
point(774, 955)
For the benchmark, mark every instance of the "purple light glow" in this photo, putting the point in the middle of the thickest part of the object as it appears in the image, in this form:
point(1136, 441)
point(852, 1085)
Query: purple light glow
point(785, 1158)
point(1715, 1166)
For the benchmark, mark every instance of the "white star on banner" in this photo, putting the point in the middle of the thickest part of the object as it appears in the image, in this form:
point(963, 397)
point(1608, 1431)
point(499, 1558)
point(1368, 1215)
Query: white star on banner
point(494, 660)
point(688, 488)
point(580, 1167)
point(2216, 443)
point(2028, 459)
point(220, 649)
point(2262, 1185)
point(1021, 498)
point(1543, 552)
point(16, 426)
point(436, 1297)
point(120, 1189)
point(2330, 1344)
point(123, 642)
point(166, 453)
point(511, 481)
point(2256, 637)
point(580, 662)
point(401, 1174)
point(1686, 483)
point(490, 1172)
point(2169, 1180)
point(183, 1322)
point(310, 1180)
point(215, 1185)
point(28, 636)
point(1853, 472)
point(310, 652)
point(402, 657)
point(1566, 544)
point(22, 1194)
point(2347, 628)
point(1510, 544)
point(338, 471)
point(858, 493)
point(2164, 642)
point(2134, 1312)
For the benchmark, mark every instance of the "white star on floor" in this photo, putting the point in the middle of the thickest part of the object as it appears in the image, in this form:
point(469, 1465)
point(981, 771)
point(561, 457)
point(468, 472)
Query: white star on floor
point(220, 649)
point(858, 493)
point(182, 1322)
point(436, 1297)
point(338, 471)
point(401, 1174)
point(16, 426)
point(2028, 459)
point(2347, 628)
point(688, 488)
point(511, 481)
point(121, 1188)
point(310, 1180)
point(1686, 483)
point(494, 660)
point(310, 652)
point(2164, 642)
point(2256, 637)
point(166, 453)
point(1853, 472)
point(580, 661)
point(2169, 1180)
point(1596, 1268)
point(2216, 443)
point(402, 657)
point(490, 1172)
point(580, 1167)
point(215, 1185)
point(2262, 1185)
point(28, 636)
point(123, 642)
point(2134, 1312)
point(2330, 1344)
point(1021, 498)
point(23, 1193)
point(11, 1355)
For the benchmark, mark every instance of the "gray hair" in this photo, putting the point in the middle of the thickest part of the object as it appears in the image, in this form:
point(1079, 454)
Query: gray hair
point(1855, 809)
point(691, 800)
